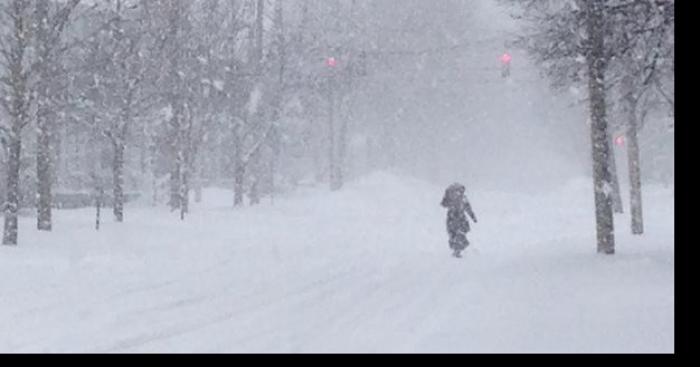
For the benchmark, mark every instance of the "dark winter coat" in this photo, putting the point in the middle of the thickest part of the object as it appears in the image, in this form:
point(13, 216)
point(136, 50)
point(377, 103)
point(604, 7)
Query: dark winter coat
point(457, 224)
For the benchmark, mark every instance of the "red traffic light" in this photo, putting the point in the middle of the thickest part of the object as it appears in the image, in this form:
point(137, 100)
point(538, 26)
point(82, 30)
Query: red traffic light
point(620, 141)
point(331, 62)
point(506, 58)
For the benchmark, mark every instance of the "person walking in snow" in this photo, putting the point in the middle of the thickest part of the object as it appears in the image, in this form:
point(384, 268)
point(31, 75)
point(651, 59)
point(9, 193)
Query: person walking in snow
point(457, 224)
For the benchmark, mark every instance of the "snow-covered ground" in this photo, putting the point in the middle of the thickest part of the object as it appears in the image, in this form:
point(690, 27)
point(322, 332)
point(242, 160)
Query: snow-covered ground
point(363, 270)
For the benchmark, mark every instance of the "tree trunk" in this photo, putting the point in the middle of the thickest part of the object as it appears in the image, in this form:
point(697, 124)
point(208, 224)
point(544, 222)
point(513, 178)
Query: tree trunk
point(175, 186)
point(98, 206)
point(618, 207)
point(254, 173)
point(238, 189)
point(184, 184)
point(182, 163)
point(18, 111)
point(254, 193)
point(599, 127)
point(259, 36)
point(152, 151)
point(197, 181)
point(272, 180)
point(342, 150)
point(184, 198)
point(12, 203)
point(177, 171)
point(238, 169)
point(118, 180)
point(635, 174)
point(43, 166)
point(176, 101)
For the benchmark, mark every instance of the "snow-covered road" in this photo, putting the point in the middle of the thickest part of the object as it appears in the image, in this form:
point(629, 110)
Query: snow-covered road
point(363, 270)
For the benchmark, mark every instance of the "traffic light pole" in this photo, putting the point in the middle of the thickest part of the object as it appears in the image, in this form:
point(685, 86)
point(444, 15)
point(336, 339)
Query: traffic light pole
point(331, 133)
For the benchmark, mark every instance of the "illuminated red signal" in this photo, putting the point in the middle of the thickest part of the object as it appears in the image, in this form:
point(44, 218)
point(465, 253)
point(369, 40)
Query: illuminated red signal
point(620, 141)
point(506, 58)
point(331, 62)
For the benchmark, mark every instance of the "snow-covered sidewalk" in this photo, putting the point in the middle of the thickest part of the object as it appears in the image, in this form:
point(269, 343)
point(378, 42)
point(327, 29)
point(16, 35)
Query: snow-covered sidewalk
point(363, 270)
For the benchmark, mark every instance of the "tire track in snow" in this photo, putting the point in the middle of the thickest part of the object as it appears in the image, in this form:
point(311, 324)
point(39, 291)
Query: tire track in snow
point(180, 329)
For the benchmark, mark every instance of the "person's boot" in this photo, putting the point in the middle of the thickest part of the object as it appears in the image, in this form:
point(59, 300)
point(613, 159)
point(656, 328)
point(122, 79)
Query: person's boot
point(457, 254)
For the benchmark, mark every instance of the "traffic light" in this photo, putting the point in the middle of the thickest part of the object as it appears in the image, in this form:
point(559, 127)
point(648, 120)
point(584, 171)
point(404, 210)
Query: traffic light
point(506, 60)
point(331, 62)
point(620, 141)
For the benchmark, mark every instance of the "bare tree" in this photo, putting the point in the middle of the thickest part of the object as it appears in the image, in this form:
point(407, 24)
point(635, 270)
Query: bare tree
point(48, 29)
point(15, 85)
point(555, 36)
point(646, 38)
point(622, 43)
point(117, 70)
